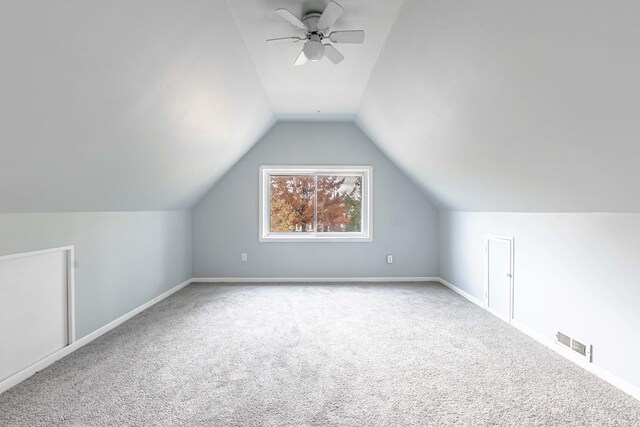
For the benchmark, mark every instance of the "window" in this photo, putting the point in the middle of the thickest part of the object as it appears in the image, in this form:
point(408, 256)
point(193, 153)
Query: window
point(313, 203)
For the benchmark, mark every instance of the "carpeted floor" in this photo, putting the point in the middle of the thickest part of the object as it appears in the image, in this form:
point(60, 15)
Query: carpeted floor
point(315, 355)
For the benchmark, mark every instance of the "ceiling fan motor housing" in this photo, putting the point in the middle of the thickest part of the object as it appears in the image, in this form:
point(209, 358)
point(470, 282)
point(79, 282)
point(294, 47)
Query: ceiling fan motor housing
point(310, 20)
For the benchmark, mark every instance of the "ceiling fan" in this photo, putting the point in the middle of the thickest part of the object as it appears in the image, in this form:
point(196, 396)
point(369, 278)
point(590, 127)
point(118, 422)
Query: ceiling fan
point(316, 28)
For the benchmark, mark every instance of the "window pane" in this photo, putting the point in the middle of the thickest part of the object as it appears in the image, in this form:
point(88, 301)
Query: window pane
point(339, 204)
point(292, 203)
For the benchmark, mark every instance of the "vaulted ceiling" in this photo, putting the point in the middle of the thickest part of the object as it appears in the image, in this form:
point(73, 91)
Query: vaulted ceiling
point(321, 89)
point(122, 105)
point(493, 105)
point(501, 105)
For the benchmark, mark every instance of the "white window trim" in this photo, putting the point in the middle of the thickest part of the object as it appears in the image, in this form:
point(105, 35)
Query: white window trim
point(367, 204)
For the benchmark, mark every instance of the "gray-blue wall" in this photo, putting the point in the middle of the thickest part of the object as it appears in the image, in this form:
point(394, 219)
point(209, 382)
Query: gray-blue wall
point(225, 221)
point(123, 259)
point(574, 272)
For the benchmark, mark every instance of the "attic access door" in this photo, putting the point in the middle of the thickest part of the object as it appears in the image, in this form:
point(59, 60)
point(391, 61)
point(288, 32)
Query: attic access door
point(499, 276)
point(36, 309)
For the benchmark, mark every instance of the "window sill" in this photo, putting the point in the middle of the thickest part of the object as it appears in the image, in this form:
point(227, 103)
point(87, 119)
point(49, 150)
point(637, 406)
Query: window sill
point(315, 238)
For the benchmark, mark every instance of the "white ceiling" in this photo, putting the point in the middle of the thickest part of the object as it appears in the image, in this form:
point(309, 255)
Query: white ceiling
point(137, 105)
point(512, 105)
point(493, 105)
point(302, 91)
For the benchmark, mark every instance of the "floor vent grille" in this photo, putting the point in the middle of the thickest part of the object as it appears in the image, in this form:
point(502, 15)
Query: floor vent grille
point(576, 346)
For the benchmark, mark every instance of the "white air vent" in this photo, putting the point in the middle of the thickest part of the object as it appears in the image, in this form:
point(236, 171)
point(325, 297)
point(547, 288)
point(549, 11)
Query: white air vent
point(582, 349)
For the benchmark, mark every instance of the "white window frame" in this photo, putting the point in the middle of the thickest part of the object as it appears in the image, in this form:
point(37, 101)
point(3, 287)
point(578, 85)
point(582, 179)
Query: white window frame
point(366, 235)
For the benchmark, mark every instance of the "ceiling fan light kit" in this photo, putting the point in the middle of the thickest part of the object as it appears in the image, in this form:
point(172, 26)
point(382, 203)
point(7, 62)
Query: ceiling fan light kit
point(313, 49)
point(316, 27)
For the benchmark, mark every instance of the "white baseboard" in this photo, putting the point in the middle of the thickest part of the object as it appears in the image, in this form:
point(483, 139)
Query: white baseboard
point(548, 342)
point(607, 376)
point(310, 279)
point(462, 293)
point(17, 378)
point(7, 383)
point(612, 379)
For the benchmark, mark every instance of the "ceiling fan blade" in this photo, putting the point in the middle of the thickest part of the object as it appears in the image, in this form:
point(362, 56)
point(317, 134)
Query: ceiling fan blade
point(330, 16)
point(291, 18)
point(295, 39)
point(354, 36)
point(302, 59)
point(333, 54)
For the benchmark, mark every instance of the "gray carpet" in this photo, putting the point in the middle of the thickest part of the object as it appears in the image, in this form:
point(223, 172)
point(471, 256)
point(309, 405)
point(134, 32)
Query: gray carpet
point(315, 355)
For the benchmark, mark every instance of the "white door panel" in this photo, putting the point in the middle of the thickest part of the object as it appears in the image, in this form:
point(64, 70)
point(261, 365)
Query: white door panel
point(499, 275)
point(33, 309)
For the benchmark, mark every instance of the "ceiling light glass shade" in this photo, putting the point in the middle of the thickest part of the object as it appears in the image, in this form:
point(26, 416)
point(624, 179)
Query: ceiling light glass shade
point(313, 50)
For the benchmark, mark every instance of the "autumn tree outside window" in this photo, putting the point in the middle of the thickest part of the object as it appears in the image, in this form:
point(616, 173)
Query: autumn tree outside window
point(313, 203)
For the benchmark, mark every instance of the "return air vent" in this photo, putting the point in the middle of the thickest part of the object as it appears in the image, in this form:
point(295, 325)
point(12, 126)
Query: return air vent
point(563, 339)
point(576, 346)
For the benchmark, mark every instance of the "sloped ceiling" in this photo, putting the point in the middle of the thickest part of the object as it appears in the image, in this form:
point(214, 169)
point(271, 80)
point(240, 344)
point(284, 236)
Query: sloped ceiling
point(121, 105)
point(491, 106)
point(513, 106)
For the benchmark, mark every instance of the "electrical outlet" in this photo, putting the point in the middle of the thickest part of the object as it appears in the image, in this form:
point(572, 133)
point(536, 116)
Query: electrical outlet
point(389, 259)
point(244, 256)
